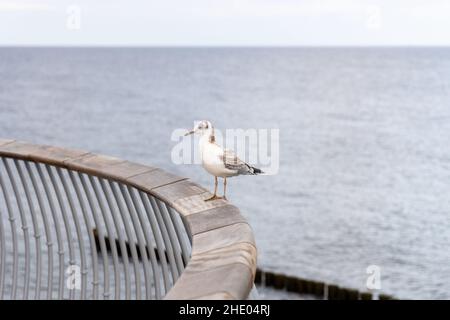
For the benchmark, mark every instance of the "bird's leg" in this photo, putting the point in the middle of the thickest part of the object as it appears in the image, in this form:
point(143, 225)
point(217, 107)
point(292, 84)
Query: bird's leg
point(224, 188)
point(214, 196)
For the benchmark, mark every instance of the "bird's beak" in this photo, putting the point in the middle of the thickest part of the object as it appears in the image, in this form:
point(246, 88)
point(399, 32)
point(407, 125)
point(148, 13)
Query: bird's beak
point(188, 133)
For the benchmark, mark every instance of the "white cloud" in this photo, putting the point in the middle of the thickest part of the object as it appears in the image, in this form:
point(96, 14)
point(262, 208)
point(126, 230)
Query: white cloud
point(17, 6)
point(228, 22)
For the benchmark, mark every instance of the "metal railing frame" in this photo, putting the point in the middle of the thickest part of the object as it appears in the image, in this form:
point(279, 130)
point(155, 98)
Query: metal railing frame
point(134, 231)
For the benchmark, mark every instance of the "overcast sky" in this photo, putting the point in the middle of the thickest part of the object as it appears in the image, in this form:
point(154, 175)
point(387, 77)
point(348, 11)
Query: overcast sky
point(224, 22)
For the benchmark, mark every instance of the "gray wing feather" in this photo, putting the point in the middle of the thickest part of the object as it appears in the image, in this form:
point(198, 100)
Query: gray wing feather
point(232, 162)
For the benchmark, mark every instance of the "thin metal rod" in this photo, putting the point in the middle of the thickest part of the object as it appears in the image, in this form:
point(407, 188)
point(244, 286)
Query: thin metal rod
point(112, 241)
point(188, 232)
point(90, 232)
point(140, 239)
point(122, 245)
point(101, 237)
point(59, 240)
point(76, 222)
point(2, 256)
point(62, 206)
point(165, 235)
point(180, 235)
point(149, 241)
point(24, 228)
point(158, 239)
point(15, 252)
point(134, 255)
point(47, 229)
point(172, 235)
point(37, 232)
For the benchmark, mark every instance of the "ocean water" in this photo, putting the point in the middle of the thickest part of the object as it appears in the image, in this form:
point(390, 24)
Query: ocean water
point(364, 173)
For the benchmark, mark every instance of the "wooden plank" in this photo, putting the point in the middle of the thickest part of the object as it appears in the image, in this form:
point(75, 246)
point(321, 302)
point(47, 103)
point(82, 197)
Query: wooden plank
point(181, 189)
point(153, 179)
point(18, 149)
point(187, 197)
point(194, 204)
point(123, 170)
point(214, 218)
point(236, 280)
point(108, 167)
point(222, 237)
point(94, 164)
point(244, 253)
point(55, 155)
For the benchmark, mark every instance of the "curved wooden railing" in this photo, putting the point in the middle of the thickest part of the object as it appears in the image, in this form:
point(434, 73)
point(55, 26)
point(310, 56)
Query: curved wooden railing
point(78, 225)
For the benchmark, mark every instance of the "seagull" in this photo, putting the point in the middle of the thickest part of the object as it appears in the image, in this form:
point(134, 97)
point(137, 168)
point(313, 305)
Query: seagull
point(218, 161)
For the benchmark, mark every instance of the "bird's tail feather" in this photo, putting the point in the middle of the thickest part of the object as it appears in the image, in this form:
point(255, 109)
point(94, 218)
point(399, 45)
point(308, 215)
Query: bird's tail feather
point(256, 170)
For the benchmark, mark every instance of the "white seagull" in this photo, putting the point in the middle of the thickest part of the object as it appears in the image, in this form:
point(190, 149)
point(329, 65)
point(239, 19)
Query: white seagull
point(217, 161)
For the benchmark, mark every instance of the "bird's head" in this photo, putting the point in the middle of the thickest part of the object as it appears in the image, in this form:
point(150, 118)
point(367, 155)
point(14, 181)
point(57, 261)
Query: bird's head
point(201, 128)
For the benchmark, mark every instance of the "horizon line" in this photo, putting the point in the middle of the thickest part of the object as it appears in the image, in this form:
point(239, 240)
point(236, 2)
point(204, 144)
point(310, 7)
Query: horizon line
point(224, 46)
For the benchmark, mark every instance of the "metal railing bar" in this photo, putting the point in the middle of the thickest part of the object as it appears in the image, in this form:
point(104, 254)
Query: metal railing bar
point(76, 221)
point(174, 241)
point(140, 239)
point(61, 252)
point(128, 231)
point(24, 228)
point(150, 243)
point(12, 222)
point(180, 235)
point(165, 235)
point(101, 237)
point(65, 220)
point(47, 230)
point(158, 239)
point(122, 245)
point(2, 256)
point(37, 232)
point(90, 232)
point(110, 233)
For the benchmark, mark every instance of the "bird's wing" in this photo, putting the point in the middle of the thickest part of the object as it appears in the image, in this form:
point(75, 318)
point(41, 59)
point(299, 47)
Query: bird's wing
point(232, 162)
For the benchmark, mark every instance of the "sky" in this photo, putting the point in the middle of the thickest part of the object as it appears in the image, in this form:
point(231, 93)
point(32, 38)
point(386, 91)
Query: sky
point(225, 22)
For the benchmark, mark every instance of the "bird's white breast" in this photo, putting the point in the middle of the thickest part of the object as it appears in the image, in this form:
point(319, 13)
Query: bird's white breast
point(212, 160)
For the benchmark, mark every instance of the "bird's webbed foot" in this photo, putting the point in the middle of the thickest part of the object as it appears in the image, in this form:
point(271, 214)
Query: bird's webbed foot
point(214, 197)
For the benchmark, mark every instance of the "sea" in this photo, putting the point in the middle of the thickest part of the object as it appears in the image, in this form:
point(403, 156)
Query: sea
point(363, 177)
